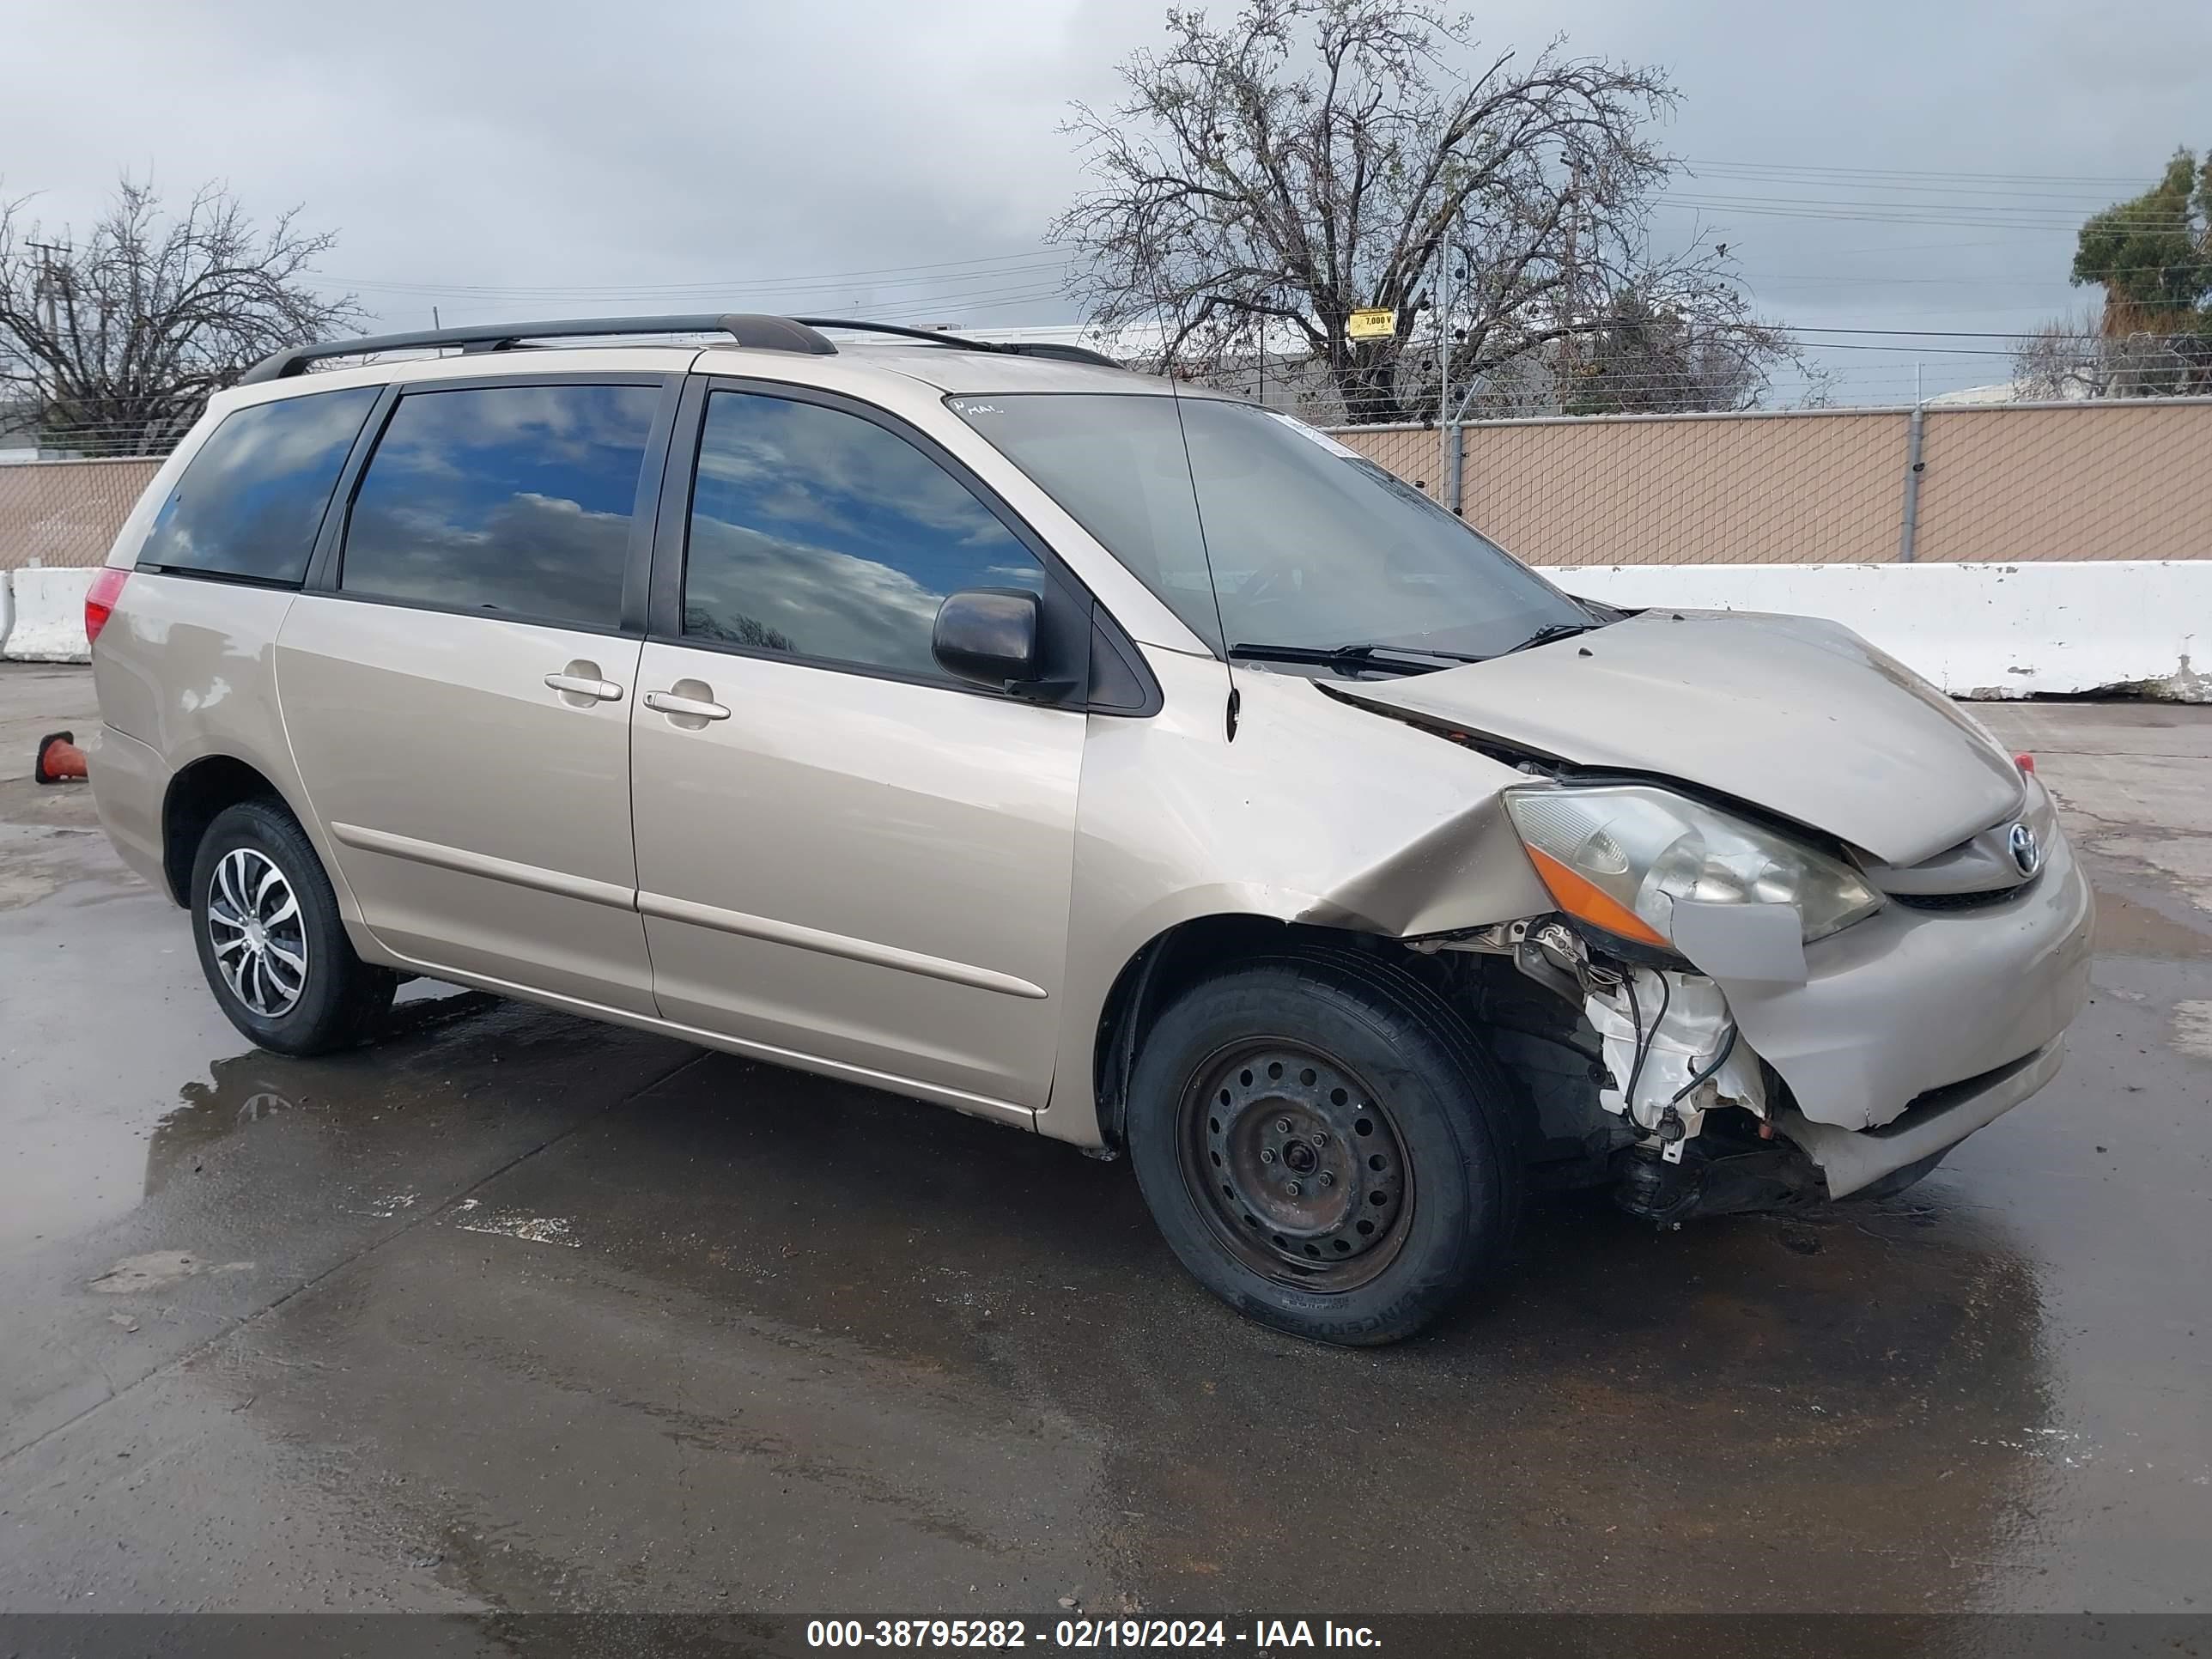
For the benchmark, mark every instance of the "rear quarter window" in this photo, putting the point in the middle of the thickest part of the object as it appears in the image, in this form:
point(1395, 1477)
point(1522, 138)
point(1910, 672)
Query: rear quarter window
point(250, 503)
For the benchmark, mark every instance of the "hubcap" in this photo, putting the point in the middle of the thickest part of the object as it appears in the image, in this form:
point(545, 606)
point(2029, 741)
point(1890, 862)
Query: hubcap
point(260, 939)
point(1298, 1164)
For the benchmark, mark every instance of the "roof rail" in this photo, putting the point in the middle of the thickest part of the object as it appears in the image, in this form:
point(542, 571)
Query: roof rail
point(935, 336)
point(746, 329)
point(762, 332)
point(1071, 354)
point(1065, 353)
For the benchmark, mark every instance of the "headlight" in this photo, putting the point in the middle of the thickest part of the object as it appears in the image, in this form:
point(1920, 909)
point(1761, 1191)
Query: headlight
point(1620, 856)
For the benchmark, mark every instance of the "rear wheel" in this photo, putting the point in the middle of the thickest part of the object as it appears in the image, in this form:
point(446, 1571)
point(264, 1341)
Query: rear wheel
point(271, 941)
point(1325, 1146)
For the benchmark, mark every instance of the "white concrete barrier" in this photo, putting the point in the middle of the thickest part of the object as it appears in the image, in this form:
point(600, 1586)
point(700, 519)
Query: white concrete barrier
point(6, 605)
point(1981, 631)
point(49, 621)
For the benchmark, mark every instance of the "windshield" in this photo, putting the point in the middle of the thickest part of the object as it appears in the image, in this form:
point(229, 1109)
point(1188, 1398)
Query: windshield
point(1312, 545)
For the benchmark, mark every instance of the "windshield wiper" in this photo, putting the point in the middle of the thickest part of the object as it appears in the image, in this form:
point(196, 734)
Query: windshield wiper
point(1549, 632)
point(1382, 658)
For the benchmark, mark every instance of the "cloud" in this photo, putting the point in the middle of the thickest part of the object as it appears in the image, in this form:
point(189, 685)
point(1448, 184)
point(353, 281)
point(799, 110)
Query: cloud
point(502, 160)
point(529, 555)
point(746, 586)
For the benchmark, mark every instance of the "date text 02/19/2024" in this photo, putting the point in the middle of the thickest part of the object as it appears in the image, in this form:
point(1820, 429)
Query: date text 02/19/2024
point(1258, 1636)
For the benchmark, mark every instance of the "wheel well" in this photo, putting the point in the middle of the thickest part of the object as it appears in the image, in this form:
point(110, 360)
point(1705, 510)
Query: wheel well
point(1542, 1041)
point(1177, 958)
point(196, 795)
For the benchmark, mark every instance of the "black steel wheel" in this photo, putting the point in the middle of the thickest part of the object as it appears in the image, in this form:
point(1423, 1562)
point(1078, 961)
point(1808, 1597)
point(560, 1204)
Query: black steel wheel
point(1326, 1144)
point(1299, 1165)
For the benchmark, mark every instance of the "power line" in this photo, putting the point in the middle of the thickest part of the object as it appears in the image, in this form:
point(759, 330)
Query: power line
point(886, 276)
point(1913, 172)
point(1926, 351)
point(1906, 214)
point(1921, 333)
point(2074, 198)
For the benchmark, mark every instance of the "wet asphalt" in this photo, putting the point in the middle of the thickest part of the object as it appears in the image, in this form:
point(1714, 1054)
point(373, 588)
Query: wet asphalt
point(513, 1312)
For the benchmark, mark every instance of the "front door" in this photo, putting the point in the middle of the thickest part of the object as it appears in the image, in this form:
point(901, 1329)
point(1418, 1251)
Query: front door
point(458, 695)
point(843, 853)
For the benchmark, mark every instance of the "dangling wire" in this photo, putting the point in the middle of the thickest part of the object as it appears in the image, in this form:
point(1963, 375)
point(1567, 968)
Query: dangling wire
point(1197, 507)
point(1643, 1042)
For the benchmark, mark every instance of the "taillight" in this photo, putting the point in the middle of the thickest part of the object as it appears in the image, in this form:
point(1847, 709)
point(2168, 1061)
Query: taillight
point(99, 599)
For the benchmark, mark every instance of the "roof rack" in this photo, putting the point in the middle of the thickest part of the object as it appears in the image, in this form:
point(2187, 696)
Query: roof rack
point(770, 333)
point(756, 331)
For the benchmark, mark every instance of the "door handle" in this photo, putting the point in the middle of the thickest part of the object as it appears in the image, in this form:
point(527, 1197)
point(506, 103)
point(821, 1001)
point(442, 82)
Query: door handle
point(584, 685)
point(682, 708)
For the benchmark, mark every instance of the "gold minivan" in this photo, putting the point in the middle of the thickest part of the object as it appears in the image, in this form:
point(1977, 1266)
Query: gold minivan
point(1134, 766)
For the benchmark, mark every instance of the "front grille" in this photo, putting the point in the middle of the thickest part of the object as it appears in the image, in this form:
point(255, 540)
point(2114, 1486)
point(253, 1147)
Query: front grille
point(1961, 901)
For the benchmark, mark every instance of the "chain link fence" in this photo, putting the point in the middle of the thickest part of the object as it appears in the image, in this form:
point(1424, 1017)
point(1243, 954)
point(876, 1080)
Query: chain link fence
point(2002, 483)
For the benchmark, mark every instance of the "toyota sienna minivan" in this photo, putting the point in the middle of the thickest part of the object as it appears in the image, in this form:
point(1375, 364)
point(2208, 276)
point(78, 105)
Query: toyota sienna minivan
point(1117, 761)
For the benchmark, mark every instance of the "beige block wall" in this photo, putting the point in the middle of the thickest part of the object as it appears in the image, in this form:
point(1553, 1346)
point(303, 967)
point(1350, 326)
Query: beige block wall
point(2123, 480)
point(2094, 481)
point(66, 512)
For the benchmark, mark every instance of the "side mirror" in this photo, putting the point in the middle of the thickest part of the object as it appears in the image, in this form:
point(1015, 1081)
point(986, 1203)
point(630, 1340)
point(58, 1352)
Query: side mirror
point(989, 634)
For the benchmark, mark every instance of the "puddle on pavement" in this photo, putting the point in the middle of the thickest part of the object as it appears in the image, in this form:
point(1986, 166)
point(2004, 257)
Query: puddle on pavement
point(2130, 925)
point(251, 1087)
point(37, 860)
point(1623, 1400)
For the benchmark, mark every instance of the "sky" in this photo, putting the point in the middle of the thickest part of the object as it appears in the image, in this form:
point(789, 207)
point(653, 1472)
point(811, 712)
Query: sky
point(1883, 167)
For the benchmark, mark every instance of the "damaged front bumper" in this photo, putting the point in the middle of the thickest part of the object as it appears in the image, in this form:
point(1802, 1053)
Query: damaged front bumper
point(1853, 1160)
point(1898, 1038)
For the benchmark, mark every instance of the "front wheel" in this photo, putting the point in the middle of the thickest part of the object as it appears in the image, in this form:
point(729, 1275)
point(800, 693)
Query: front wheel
point(1326, 1146)
point(271, 941)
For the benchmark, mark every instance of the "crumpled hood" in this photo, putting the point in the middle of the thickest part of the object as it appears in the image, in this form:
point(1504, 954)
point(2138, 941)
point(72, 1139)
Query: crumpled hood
point(1797, 715)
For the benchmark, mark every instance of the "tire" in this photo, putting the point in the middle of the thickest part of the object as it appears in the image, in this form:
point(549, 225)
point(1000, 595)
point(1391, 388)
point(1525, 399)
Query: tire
point(299, 987)
point(1384, 1089)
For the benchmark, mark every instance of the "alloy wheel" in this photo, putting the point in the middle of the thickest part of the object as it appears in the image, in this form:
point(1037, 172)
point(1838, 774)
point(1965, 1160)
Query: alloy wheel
point(259, 937)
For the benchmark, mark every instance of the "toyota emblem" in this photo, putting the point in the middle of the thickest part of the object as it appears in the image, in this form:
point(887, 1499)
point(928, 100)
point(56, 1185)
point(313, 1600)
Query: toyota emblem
point(2026, 851)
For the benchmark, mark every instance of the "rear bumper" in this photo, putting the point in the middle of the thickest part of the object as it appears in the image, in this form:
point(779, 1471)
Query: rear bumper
point(129, 783)
point(1848, 1159)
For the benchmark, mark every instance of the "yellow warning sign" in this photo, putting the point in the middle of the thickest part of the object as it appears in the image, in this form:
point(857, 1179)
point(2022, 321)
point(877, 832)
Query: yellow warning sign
point(1371, 325)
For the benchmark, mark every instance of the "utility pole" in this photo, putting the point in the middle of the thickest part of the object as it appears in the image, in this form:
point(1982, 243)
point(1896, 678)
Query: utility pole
point(46, 250)
point(1570, 346)
point(1450, 420)
point(1443, 331)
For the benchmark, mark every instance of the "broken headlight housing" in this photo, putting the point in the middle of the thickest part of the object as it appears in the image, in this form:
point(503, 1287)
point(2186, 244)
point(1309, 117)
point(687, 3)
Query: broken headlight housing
point(1619, 855)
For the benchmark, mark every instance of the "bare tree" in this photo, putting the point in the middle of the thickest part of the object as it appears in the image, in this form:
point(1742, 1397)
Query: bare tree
point(116, 343)
point(1652, 356)
point(2113, 352)
point(1316, 156)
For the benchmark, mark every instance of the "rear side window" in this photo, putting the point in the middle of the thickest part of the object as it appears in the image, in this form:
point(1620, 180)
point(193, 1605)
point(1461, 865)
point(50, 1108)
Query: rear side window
point(251, 501)
point(818, 533)
point(512, 500)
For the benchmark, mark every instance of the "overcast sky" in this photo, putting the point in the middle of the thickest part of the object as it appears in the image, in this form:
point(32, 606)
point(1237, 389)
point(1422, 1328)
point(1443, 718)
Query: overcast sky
point(512, 160)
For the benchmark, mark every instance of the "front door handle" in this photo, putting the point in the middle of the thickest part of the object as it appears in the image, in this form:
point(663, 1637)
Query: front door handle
point(682, 709)
point(584, 685)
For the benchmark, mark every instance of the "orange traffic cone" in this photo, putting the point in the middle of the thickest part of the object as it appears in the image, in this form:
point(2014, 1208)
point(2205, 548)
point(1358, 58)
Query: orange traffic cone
point(60, 759)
